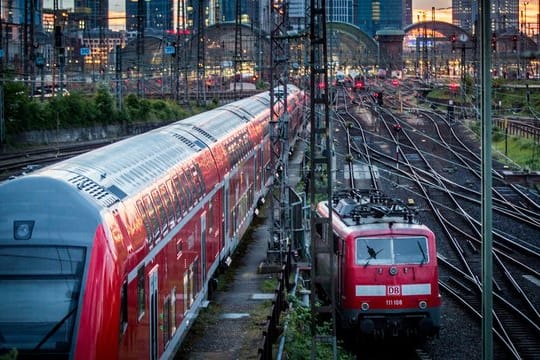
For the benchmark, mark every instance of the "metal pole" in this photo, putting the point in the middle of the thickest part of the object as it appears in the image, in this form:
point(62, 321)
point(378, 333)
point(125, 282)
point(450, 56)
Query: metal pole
point(486, 207)
point(2, 53)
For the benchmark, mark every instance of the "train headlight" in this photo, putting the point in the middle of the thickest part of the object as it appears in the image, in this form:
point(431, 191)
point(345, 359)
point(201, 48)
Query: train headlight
point(364, 306)
point(422, 304)
point(22, 230)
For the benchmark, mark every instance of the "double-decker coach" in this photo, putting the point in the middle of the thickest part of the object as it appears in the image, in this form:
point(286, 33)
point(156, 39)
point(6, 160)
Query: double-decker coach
point(110, 254)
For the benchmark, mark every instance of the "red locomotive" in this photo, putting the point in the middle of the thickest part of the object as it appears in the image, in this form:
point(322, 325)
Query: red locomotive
point(110, 254)
point(387, 272)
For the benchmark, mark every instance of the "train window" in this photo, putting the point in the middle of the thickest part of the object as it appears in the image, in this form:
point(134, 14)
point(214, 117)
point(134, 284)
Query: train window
point(176, 200)
point(141, 295)
point(166, 197)
point(123, 309)
point(410, 250)
point(179, 248)
point(188, 189)
point(167, 320)
point(181, 193)
point(201, 179)
point(197, 180)
point(146, 219)
point(394, 250)
point(210, 217)
point(373, 251)
point(173, 311)
point(154, 221)
point(162, 213)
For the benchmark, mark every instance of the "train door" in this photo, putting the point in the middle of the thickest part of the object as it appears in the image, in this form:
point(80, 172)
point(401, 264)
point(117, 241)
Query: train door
point(226, 213)
point(203, 246)
point(153, 301)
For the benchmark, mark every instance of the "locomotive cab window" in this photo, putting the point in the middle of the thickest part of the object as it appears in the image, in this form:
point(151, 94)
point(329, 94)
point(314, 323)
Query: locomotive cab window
point(40, 287)
point(391, 251)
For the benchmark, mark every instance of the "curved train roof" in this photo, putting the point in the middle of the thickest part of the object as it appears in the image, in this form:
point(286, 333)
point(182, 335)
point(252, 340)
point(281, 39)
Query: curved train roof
point(118, 170)
point(219, 122)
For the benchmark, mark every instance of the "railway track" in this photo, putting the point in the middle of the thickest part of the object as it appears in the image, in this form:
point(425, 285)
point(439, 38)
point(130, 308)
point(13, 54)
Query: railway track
point(433, 162)
point(21, 162)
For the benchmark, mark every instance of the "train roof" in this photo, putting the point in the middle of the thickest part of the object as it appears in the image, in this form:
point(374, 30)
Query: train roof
point(358, 207)
point(50, 208)
point(211, 124)
point(108, 177)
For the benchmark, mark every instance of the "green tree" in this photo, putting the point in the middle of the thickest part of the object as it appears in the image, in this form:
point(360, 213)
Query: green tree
point(105, 105)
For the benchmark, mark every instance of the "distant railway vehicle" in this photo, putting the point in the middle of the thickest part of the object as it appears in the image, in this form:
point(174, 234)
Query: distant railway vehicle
point(340, 78)
point(386, 272)
point(359, 83)
point(111, 254)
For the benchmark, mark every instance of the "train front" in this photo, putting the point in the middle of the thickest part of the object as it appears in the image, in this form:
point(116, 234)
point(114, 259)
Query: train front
point(46, 237)
point(390, 279)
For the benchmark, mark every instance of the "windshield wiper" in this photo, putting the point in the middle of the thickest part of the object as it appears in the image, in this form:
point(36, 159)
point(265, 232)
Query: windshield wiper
point(424, 258)
point(55, 328)
point(372, 254)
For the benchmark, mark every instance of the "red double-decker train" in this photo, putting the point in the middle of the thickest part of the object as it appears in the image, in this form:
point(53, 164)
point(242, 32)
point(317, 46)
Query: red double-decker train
point(110, 254)
point(386, 272)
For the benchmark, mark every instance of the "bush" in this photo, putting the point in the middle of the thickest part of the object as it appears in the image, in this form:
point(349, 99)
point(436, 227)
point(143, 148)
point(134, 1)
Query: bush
point(298, 339)
point(24, 113)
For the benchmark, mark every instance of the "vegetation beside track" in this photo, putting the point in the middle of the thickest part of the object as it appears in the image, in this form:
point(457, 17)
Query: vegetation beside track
point(509, 99)
point(26, 113)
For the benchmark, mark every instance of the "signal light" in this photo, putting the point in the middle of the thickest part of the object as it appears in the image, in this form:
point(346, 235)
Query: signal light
point(379, 96)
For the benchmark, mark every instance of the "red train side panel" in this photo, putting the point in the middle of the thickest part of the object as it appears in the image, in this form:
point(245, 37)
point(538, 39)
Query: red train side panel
point(122, 242)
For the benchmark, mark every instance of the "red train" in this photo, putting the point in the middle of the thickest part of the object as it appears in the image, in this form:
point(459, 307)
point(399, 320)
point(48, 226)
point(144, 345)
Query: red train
point(386, 267)
point(110, 254)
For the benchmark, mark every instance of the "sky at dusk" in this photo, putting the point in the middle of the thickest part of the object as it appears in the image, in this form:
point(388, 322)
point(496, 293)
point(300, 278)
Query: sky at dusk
point(442, 11)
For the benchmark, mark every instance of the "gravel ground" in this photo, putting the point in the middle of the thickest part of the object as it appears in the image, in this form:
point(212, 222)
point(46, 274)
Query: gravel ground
point(217, 336)
point(232, 325)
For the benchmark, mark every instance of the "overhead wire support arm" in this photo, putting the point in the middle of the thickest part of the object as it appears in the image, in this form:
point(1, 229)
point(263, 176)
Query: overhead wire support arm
point(279, 133)
point(201, 59)
point(321, 142)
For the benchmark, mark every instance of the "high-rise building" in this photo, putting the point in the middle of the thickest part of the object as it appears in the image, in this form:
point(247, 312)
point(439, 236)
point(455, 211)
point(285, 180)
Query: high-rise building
point(13, 12)
point(340, 11)
point(504, 15)
point(249, 11)
point(157, 15)
point(407, 12)
point(375, 15)
point(97, 12)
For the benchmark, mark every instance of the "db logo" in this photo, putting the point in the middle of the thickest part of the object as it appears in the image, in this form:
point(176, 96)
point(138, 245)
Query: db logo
point(393, 290)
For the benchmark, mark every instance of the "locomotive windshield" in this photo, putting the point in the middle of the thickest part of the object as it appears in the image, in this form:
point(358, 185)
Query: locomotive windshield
point(40, 287)
point(391, 251)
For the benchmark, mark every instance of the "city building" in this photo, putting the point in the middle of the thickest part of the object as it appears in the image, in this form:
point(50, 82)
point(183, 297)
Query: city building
point(96, 12)
point(156, 14)
point(504, 15)
point(375, 15)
